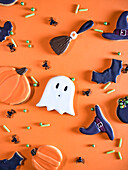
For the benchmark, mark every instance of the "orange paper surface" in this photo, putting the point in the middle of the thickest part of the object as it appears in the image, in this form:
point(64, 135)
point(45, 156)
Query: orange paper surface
point(90, 51)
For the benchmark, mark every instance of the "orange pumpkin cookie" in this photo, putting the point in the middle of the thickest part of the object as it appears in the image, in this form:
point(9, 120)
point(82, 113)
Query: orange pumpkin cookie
point(14, 85)
point(46, 157)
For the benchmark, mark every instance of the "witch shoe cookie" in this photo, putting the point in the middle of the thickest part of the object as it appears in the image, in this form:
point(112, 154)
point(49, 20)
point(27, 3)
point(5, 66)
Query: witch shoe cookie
point(108, 75)
point(100, 124)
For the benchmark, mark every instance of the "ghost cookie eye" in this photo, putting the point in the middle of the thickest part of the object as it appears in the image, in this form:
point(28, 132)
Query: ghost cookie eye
point(66, 87)
point(57, 85)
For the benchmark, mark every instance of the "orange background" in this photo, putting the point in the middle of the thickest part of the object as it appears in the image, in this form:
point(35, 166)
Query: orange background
point(87, 53)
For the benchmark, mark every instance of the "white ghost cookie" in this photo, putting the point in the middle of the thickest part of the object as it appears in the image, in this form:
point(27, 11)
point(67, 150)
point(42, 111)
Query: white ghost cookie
point(58, 95)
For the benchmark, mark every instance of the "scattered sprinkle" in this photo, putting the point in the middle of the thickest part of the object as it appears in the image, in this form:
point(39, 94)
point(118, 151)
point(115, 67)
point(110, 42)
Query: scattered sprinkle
point(44, 125)
point(92, 109)
point(14, 42)
point(34, 79)
point(110, 91)
point(30, 15)
point(25, 110)
point(5, 127)
point(77, 8)
point(110, 152)
point(22, 3)
point(35, 84)
point(119, 53)
point(108, 84)
point(119, 154)
point(83, 9)
point(73, 79)
point(28, 127)
point(105, 23)
point(120, 142)
point(30, 46)
point(93, 145)
point(98, 30)
point(11, 33)
point(27, 145)
point(40, 123)
point(32, 9)
point(27, 41)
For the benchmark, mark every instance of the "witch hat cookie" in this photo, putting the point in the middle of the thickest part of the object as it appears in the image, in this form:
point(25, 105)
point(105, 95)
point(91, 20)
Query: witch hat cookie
point(122, 109)
point(121, 31)
point(100, 124)
point(7, 2)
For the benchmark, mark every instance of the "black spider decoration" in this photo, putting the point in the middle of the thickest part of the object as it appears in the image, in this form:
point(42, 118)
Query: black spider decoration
point(125, 69)
point(45, 65)
point(12, 47)
point(52, 21)
point(80, 160)
point(14, 139)
point(10, 113)
point(87, 93)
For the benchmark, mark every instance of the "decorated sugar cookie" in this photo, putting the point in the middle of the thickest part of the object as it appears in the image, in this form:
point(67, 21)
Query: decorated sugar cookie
point(100, 124)
point(14, 85)
point(7, 2)
point(121, 31)
point(12, 163)
point(58, 95)
point(46, 157)
point(5, 30)
point(108, 75)
point(60, 44)
point(122, 109)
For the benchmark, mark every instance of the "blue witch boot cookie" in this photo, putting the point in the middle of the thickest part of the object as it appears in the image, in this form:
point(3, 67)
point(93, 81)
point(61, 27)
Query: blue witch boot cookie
point(100, 124)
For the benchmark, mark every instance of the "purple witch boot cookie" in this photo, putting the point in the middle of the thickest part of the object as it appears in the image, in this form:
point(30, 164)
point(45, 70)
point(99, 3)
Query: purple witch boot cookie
point(100, 124)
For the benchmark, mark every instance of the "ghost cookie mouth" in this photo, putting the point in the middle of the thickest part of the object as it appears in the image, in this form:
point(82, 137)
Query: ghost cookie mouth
point(59, 95)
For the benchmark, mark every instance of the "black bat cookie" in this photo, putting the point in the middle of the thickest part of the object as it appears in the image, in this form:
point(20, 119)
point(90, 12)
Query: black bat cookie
point(4, 31)
point(110, 74)
point(12, 163)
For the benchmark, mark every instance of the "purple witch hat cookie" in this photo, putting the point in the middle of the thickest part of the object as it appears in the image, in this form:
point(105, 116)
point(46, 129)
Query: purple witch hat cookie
point(122, 109)
point(100, 124)
point(7, 2)
point(121, 31)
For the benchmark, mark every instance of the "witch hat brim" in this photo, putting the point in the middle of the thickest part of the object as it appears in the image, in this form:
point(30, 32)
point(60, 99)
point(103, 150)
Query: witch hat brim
point(113, 36)
point(121, 31)
point(100, 124)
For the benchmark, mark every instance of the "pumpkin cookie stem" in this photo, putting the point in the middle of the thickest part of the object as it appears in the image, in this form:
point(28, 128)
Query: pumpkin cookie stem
point(22, 70)
point(33, 151)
